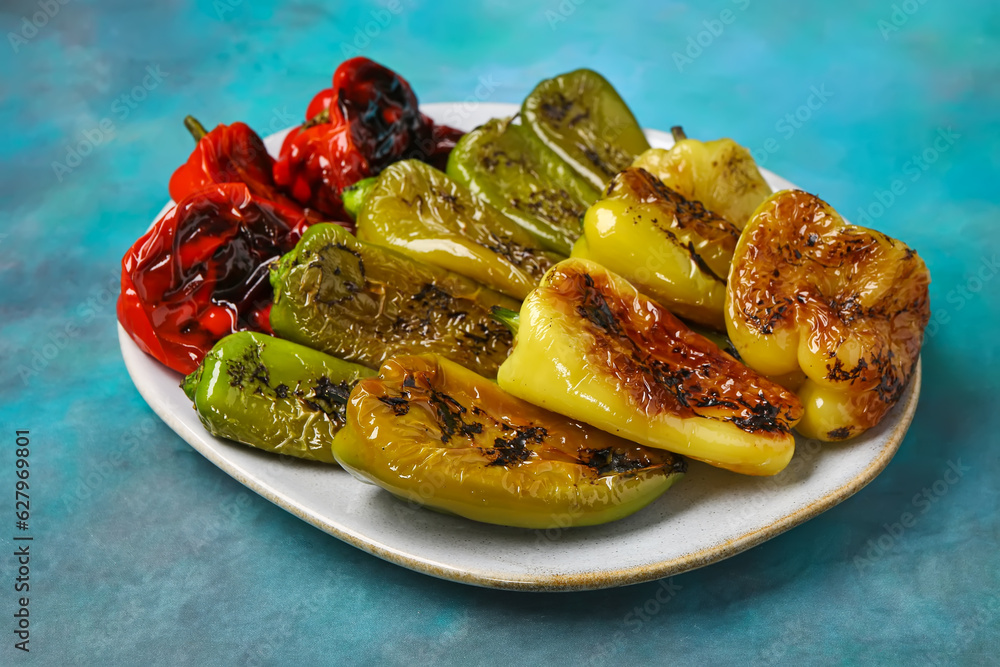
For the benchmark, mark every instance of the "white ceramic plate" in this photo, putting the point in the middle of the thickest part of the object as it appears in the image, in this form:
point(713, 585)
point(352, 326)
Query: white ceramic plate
point(709, 515)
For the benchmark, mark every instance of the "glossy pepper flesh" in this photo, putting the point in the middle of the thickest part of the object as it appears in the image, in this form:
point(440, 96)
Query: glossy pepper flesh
point(508, 166)
point(720, 174)
point(418, 210)
point(591, 347)
point(201, 272)
point(273, 394)
point(365, 303)
point(671, 248)
point(837, 309)
point(581, 117)
point(235, 154)
point(368, 120)
point(437, 434)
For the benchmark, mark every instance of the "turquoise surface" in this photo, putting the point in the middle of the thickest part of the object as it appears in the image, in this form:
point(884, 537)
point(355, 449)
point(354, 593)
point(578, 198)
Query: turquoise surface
point(145, 552)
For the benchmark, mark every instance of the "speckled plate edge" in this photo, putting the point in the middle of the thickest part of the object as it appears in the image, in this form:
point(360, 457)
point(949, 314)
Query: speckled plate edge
point(591, 580)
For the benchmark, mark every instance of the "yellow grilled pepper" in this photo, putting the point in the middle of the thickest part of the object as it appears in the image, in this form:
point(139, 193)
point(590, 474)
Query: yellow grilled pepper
point(593, 348)
point(419, 211)
point(673, 249)
point(836, 309)
point(434, 433)
point(720, 174)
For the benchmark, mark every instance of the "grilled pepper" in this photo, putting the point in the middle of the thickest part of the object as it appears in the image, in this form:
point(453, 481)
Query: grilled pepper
point(673, 249)
point(840, 306)
point(364, 303)
point(591, 347)
point(234, 154)
point(273, 394)
point(368, 120)
point(720, 174)
point(434, 433)
point(418, 210)
point(508, 166)
point(581, 117)
point(201, 272)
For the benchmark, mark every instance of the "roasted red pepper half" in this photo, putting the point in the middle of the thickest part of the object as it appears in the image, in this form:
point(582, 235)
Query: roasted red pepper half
point(201, 272)
point(368, 120)
point(234, 154)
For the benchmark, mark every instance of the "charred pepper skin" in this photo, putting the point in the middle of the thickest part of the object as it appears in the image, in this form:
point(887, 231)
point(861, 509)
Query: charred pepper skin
point(368, 120)
point(201, 272)
point(673, 249)
point(432, 432)
point(593, 348)
point(235, 154)
point(720, 174)
point(508, 166)
point(581, 117)
point(417, 210)
point(838, 311)
point(365, 303)
point(273, 394)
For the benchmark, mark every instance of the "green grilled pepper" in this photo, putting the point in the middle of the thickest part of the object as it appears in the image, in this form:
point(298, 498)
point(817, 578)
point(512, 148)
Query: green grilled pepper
point(418, 210)
point(582, 118)
point(273, 394)
point(434, 433)
point(509, 167)
point(364, 303)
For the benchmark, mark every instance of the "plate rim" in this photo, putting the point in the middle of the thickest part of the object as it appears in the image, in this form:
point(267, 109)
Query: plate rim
point(591, 580)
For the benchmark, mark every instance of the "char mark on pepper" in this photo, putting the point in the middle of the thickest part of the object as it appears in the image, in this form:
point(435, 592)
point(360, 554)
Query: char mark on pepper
point(514, 450)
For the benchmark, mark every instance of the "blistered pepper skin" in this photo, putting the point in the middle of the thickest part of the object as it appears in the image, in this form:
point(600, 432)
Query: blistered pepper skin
point(581, 117)
point(368, 119)
point(593, 348)
point(273, 394)
point(201, 272)
point(720, 174)
point(417, 210)
point(673, 249)
point(434, 433)
point(508, 166)
point(837, 308)
point(364, 303)
point(235, 154)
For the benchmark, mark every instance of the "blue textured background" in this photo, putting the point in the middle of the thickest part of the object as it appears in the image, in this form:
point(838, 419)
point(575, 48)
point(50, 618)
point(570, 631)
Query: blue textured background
point(146, 552)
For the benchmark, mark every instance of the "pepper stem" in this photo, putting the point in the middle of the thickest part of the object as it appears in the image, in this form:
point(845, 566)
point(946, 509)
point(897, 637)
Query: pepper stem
point(355, 195)
point(196, 129)
point(678, 132)
point(507, 317)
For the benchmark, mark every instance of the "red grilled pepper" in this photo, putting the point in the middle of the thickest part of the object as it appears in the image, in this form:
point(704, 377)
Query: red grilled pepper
point(365, 122)
point(234, 154)
point(201, 272)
